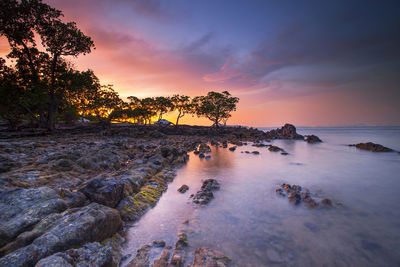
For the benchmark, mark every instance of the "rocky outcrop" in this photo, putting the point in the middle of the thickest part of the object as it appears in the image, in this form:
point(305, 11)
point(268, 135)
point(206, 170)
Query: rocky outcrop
point(288, 131)
point(205, 194)
point(372, 147)
point(21, 209)
point(206, 257)
point(312, 139)
point(91, 254)
point(76, 227)
point(106, 191)
point(296, 194)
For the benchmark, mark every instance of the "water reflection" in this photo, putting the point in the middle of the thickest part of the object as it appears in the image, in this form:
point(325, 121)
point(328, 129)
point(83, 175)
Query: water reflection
point(250, 223)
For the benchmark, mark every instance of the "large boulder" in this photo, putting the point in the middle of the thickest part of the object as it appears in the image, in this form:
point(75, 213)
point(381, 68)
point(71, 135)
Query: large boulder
point(288, 131)
point(21, 208)
point(78, 226)
point(106, 191)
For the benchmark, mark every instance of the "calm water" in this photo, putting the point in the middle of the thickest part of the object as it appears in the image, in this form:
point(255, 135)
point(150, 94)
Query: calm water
point(252, 225)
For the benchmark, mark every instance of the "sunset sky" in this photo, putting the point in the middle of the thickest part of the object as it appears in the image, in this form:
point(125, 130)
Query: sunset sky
point(310, 63)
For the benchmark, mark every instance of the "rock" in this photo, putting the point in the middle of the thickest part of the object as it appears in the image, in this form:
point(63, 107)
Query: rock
point(201, 155)
point(288, 131)
point(178, 256)
point(280, 192)
point(372, 147)
point(78, 226)
point(21, 209)
point(260, 145)
point(275, 148)
point(284, 153)
point(312, 139)
point(206, 257)
point(255, 152)
point(106, 191)
point(159, 243)
point(183, 188)
point(326, 202)
point(163, 260)
point(142, 257)
point(91, 254)
point(204, 196)
point(208, 157)
point(294, 197)
point(232, 148)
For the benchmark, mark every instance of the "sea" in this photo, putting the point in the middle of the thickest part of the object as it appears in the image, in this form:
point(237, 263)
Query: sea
point(254, 226)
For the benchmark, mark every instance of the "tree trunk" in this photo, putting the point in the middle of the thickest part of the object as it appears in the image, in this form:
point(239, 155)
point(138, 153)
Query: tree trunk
point(52, 106)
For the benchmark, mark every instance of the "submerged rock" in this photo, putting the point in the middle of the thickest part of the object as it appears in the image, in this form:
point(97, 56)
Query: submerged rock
point(372, 147)
point(232, 148)
point(206, 257)
point(275, 148)
point(142, 257)
point(204, 196)
point(312, 139)
point(178, 256)
point(183, 188)
point(296, 194)
point(163, 260)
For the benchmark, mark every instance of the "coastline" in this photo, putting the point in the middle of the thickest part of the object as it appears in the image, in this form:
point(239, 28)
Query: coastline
point(47, 181)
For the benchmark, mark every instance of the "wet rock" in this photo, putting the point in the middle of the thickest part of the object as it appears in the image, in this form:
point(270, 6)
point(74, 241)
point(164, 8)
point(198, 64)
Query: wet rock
point(288, 131)
point(163, 260)
point(255, 152)
point(284, 153)
point(208, 157)
point(159, 243)
point(78, 226)
point(142, 257)
point(21, 209)
point(275, 148)
point(260, 145)
point(183, 188)
point(204, 196)
point(206, 257)
point(132, 208)
point(372, 147)
point(232, 148)
point(326, 202)
point(294, 197)
point(312, 139)
point(280, 192)
point(6, 164)
point(202, 156)
point(91, 254)
point(178, 256)
point(106, 191)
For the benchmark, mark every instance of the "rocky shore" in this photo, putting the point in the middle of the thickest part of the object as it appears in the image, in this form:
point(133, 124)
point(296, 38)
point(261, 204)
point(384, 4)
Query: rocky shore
point(66, 199)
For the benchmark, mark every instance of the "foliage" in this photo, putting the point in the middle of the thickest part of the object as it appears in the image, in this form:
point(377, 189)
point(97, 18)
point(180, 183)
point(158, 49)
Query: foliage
point(216, 106)
point(183, 105)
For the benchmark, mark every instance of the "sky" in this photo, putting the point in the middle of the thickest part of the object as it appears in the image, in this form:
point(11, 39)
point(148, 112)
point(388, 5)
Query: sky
point(309, 63)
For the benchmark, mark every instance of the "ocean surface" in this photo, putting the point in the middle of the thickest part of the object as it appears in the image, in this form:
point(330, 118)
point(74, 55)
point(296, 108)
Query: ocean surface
point(254, 226)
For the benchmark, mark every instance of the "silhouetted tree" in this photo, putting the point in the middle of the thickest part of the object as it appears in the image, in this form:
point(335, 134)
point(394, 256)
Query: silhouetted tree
point(183, 105)
point(216, 106)
point(162, 105)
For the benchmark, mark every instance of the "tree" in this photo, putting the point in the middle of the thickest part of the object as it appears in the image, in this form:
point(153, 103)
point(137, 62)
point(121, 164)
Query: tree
point(183, 105)
point(19, 22)
point(162, 105)
point(61, 39)
point(216, 106)
point(11, 94)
